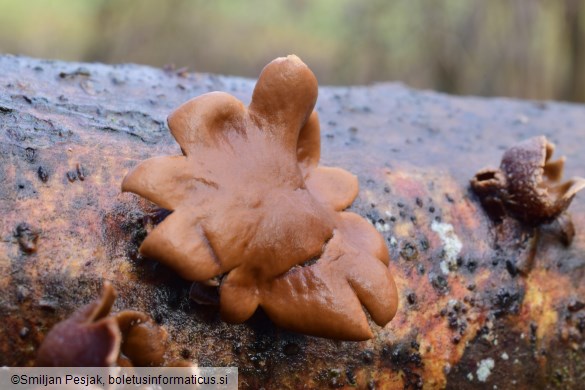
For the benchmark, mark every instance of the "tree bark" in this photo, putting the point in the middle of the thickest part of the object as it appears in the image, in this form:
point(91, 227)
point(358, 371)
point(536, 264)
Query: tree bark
point(69, 132)
point(575, 33)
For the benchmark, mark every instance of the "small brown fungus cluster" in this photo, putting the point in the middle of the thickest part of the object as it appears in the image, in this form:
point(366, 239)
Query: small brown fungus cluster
point(251, 206)
point(526, 186)
point(91, 337)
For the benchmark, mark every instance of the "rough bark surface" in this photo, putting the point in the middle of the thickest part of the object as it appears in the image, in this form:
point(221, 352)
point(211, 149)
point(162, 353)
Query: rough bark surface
point(69, 132)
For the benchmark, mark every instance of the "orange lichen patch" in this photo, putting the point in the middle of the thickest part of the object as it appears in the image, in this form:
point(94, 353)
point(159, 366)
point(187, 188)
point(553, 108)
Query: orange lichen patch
point(92, 338)
point(250, 202)
point(392, 380)
point(453, 317)
point(440, 348)
point(541, 304)
point(526, 186)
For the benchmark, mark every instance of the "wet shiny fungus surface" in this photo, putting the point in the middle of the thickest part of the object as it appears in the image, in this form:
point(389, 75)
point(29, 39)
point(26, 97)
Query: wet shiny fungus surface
point(250, 204)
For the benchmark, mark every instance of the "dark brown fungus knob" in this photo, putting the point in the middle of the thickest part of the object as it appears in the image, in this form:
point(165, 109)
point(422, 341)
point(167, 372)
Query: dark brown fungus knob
point(143, 341)
point(91, 337)
point(527, 186)
point(250, 202)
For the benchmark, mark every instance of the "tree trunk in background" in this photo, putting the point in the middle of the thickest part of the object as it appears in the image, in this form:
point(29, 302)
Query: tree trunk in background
point(69, 133)
point(575, 85)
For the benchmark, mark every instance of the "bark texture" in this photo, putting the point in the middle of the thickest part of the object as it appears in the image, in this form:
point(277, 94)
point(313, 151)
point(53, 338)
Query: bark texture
point(70, 132)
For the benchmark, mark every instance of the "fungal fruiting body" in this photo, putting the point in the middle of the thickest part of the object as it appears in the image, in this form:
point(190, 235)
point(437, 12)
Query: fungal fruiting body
point(91, 337)
point(250, 204)
point(526, 186)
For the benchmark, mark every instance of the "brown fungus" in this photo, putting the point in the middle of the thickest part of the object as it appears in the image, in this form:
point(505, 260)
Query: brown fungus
point(526, 186)
point(143, 341)
point(250, 202)
point(91, 337)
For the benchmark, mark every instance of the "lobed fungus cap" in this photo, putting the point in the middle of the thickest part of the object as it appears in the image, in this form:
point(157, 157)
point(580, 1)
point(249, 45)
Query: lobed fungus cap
point(250, 203)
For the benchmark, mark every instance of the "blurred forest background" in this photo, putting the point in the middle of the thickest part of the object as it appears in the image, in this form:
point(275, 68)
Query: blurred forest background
point(531, 49)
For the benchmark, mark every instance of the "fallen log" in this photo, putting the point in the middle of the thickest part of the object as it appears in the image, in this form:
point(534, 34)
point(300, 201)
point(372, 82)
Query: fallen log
point(70, 132)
